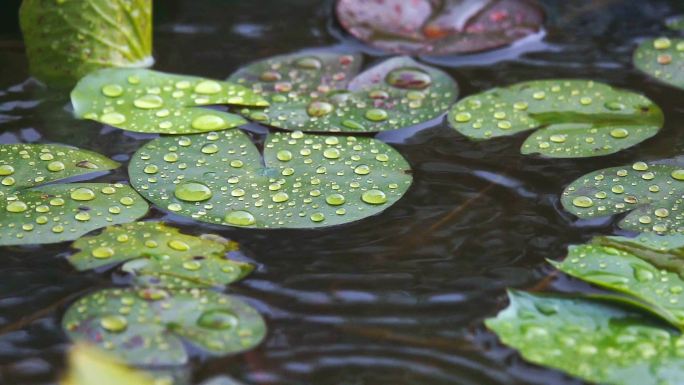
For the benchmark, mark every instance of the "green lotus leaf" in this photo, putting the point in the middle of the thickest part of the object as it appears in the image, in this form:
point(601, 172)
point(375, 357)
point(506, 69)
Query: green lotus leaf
point(630, 273)
point(593, 340)
point(88, 366)
point(663, 59)
point(662, 251)
point(317, 92)
point(38, 213)
point(301, 181)
point(148, 326)
point(572, 118)
point(148, 101)
point(67, 39)
point(160, 255)
point(650, 192)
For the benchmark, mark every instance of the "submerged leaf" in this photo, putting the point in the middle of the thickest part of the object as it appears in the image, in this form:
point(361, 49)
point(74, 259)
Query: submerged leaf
point(65, 40)
point(148, 101)
point(148, 326)
point(317, 92)
point(605, 263)
point(439, 27)
point(592, 340)
point(652, 193)
point(160, 255)
point(39, 213)
point(302, 181)
point(90, 366)
point(663, 59)
point(573, 118)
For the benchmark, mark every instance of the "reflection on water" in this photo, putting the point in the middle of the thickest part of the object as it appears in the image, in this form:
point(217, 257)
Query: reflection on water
point(394, 299)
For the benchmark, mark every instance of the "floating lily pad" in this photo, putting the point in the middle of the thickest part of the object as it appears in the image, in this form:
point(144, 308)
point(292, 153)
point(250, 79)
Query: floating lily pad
point(65, 40)
point(302, 181)
point(663, 59)
point(160, 255)
point(88, 366)
point(650, 192)
point(318, 92)
point(572, 118)
point(662, 251)
point(37, 213)
point(600, 263)
point(592, 340)
point(439, 27)
point(149, 326)
point(155, 102)
point(675, 23)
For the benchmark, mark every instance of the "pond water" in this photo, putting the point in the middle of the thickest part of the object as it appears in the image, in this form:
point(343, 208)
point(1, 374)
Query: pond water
point(398, 298)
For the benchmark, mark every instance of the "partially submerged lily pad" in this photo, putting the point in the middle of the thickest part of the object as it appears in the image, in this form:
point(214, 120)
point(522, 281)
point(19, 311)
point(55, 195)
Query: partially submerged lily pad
point(89, 366)
point(34, 212)
point(317, 92)
point(301, 181)
point(572, 118)
point(439, 27)
point(160, 255)
point(65, 40)
point(148, 101)
point(651, 192)
point(149, 326)
point(641, 273)
point(592, 340)
point(663, 59)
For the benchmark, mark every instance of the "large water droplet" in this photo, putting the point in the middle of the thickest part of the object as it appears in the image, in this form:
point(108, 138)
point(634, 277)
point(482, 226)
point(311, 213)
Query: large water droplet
point(6, 169)
point(192, 192)
point(374, 197)
point(318, 109)
point(113, 118)
point(208, 87)
point(376, 115)
point(217, 319)
point(408, 78)
point(240, 218)
point(103, 252)
point(16, 207)
point(209, 123)
point(112, 90)
point(83, 194)
point(148, 102)
point(114, 323)
point(308, 63)
point(582, 201)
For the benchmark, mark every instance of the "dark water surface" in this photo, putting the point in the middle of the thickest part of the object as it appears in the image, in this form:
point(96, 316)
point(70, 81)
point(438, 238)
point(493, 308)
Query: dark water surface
point(396, 299)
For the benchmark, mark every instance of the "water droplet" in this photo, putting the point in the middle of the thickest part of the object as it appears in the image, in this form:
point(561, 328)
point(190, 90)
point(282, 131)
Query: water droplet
point(148, 102)
point(583, 201)
point(112, 118)
point(376, 115)
point(210, 148)
point(374, 197)
point(83, 194)
point(558, 138)
point(150, 169)
point(16, 207)
point(178, 245)
point(463, 117)
point(209, 122)
point(614, 106)
point(152, 294)
point(408, 78)
point(335, 199)
point(208, 87)
point(114, 323)
point(218, 320)
point(192, 265)
point(640, 166)
point(662, 43)
point(82, 216)
point(171, 157)
point(270, 76)
point(619, 133)
point(240, 218)
point(284, 155)
point(6, 169)
point(192, 192)
point(280, 197)
point(55, 166)
point(331, 153)
point(362, 169)
point(642, 274)
point(678, 174)
point(318, 109)
point(103, 252)
point(661, 213)
point(112, 90)
point(353, 125)
point(317, 217)
point(126, 201)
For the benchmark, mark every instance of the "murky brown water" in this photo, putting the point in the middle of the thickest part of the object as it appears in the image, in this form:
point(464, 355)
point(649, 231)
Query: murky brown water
point(395, 299)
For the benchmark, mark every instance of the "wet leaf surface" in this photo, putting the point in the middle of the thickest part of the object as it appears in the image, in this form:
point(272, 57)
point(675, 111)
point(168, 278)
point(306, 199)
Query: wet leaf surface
point(439, 27)
point(592, 340)
point(572, 118)
point(34, 212)
point(90, 366)
point(159, 255)
point(149, 101)
point(302, 181)
point(651, 194)
point(65, 40)
point(663, 59)
point(321, 91)
point(149, 326)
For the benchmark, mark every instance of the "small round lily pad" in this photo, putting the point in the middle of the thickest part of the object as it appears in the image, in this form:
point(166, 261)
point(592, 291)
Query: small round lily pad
point(439, 27)
point(593, 340)
point(573, 118)
point(149, 101)
point(651, 192)
point(300, 181)
point(149, 326)
point(663, 59)
point(323, 91)
point(159, 255)
point(34, 212)
point(65, 40)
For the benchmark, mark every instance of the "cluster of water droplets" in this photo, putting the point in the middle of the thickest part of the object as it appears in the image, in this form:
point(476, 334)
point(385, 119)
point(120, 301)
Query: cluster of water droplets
point(662, 58)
